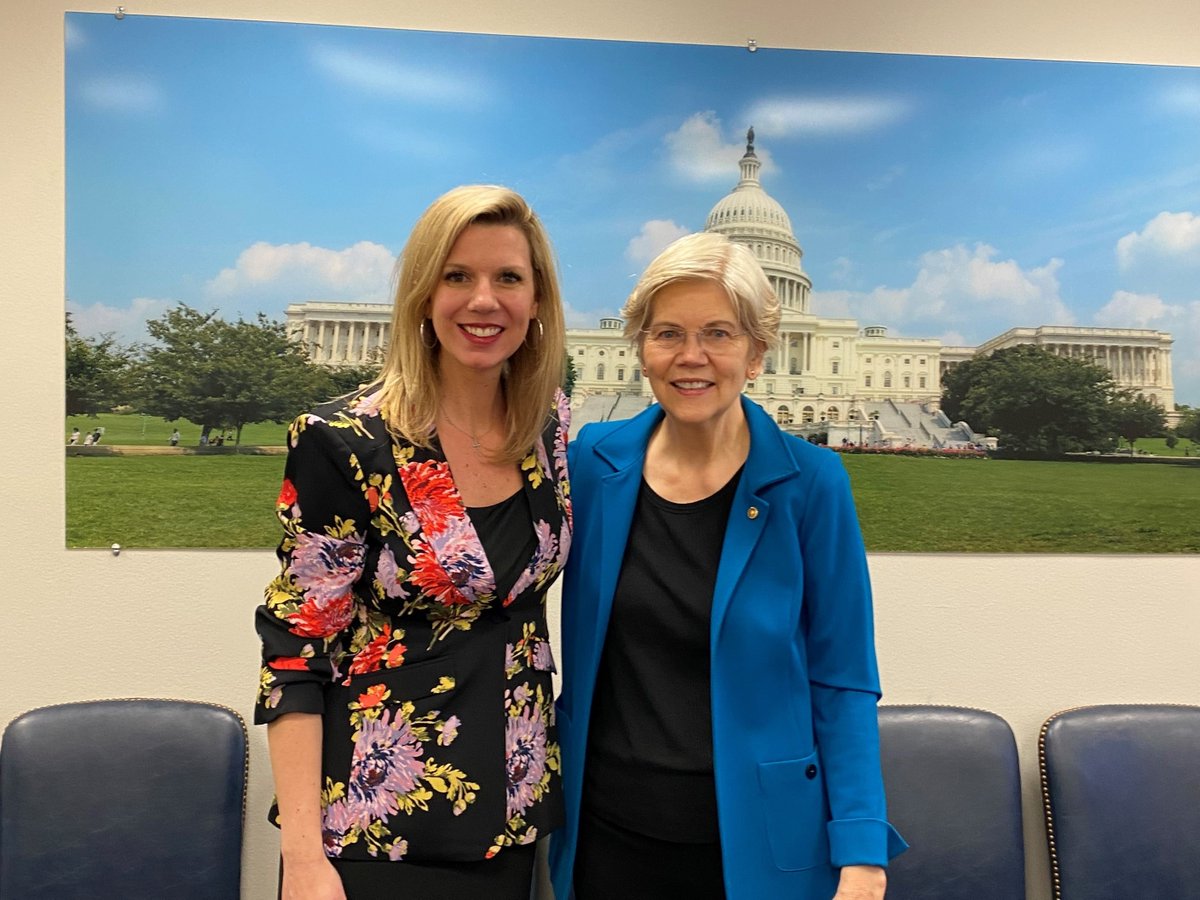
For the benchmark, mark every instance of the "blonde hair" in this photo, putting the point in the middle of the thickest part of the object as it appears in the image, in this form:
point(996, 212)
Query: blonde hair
point(707, 256)
point(411, 391)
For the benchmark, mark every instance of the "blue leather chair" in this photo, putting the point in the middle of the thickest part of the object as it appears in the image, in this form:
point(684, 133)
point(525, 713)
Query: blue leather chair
point(123, 799)
point(1121, 794)
point(954, 793)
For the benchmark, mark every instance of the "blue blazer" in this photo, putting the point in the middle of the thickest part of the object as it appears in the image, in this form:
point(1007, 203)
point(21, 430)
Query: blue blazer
point(794, 680)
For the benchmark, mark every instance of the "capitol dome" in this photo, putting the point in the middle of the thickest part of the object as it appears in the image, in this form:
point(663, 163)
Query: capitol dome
point(751, 216)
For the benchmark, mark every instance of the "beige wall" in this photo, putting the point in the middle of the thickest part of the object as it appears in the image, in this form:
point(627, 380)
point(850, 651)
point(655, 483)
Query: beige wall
point(1022, 636)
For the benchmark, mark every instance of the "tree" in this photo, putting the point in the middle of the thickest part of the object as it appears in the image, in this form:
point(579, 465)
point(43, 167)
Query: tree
point(1033, 401)
point(1136, 417)
point(221, 374)
point(98, 373)
point(341, 380)
point(1189, 426)
point(568, 384)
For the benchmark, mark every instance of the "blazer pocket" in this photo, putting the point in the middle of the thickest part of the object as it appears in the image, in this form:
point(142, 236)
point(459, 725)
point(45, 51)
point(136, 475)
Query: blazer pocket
point(795, 811)
point(408, 682)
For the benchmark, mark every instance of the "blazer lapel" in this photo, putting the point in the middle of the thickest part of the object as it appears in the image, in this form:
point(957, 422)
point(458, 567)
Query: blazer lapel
point(768, 462)
point(623, 451)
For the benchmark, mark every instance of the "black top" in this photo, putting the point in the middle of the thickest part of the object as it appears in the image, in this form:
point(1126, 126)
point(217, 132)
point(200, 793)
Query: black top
point(506, 531)
point(650, 766)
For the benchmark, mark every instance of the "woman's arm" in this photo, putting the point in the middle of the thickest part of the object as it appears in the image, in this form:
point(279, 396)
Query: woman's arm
point(308, 607)
point(294, 740)
point(843, 679)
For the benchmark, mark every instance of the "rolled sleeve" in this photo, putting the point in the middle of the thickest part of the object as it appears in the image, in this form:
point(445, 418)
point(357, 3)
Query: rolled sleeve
point(863, 842)
point(843, 674)
point(311, 603)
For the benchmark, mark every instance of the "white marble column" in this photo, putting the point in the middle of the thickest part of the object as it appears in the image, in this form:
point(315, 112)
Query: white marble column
point(335, 349)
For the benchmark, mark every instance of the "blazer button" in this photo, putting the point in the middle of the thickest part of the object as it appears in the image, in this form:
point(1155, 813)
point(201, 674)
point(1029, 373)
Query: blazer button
point(811, 772)
point(752, 512)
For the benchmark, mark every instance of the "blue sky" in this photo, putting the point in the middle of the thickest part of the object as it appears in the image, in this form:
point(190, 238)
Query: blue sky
point(242, 166)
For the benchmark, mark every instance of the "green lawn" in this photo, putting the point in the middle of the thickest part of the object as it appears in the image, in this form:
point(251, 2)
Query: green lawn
point(133, 429)
point(173, 501)
point(1158, 447)
point(1008, 506)
point(905, 504)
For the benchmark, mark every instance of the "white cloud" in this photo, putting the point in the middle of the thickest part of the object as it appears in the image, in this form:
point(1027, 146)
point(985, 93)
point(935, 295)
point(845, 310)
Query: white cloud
point(841, 269)
point(953, 339)
point(123, 94)
point(956, 281)
point(653, 239)
point(698, 152)
point(126, 324)
point(961, 289)
point(1129, 310)
point(803, 116)
point(1168, 236)
point(298, 272)
point(382, 75)
point(832, 304)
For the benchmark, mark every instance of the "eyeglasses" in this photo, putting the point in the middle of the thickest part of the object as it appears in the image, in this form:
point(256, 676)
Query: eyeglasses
point(713, 339)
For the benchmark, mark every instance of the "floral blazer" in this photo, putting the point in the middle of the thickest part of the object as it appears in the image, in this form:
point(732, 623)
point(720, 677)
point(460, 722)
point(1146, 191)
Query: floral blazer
point(438, 716)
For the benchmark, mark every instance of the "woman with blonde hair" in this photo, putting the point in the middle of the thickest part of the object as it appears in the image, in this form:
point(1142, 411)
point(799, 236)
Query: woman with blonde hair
point(718, 717)
point(406, 676)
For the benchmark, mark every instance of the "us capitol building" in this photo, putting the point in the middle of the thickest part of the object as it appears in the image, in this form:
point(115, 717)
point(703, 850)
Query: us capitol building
point(857, 384)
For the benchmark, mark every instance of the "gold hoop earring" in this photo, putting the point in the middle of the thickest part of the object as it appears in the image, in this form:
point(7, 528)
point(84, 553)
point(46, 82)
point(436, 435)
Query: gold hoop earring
point(424, 342)
point(541, 332)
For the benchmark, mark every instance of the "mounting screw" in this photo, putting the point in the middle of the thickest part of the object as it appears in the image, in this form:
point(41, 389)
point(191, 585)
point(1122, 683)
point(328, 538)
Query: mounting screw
point(752, 45)
point(116, 549)
point(120, 15)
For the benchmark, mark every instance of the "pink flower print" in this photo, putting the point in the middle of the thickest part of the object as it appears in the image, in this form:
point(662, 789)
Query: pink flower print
point(367, 405)
point(326, 567)
point(546, 553)
point(389, 576)
point(525, 758)
point(294, 432)
point(562, 404)
point(338, 822)
point(543, 658)
point(449, 731)
point(397, 851)
point(386, 762)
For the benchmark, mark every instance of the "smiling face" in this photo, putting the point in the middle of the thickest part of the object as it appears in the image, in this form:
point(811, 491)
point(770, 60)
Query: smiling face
point(698, 385)
point(485, 298)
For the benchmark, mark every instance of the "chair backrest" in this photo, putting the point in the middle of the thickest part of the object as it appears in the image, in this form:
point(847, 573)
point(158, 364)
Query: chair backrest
point(1121, 794)
point(124, 799)
point(954, 793)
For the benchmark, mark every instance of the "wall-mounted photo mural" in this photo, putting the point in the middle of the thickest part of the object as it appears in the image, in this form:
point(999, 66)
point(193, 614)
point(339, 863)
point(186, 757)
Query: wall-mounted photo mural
point(990, 269)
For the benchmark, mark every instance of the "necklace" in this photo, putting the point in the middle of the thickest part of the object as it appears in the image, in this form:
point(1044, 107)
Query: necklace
point(475, 443)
